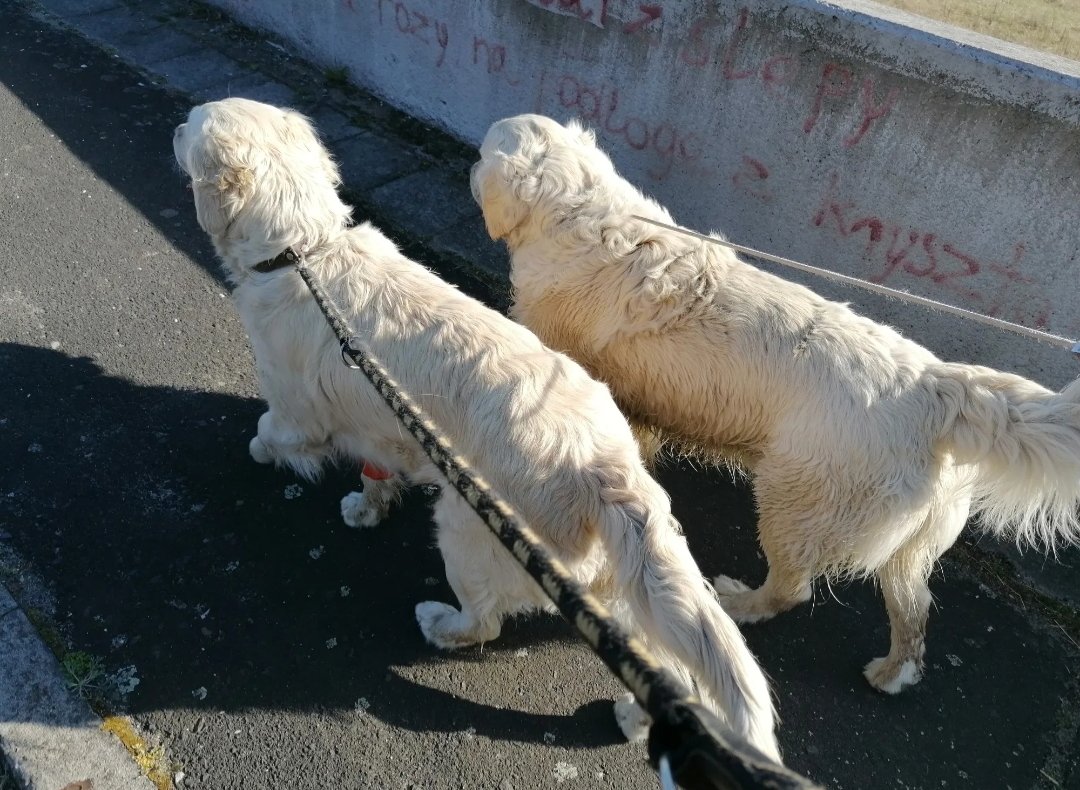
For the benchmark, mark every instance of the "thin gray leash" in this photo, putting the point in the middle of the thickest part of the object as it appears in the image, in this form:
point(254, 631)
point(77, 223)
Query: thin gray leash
point(933, 304)
point(686, 742)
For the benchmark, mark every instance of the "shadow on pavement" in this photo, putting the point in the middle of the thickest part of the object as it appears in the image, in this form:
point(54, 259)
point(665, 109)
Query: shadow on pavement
point(183, 557)
point(179, 555)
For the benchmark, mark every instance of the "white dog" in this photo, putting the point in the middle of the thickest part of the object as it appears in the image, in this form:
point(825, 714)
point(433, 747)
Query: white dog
point(530, 420)
point(868, 452)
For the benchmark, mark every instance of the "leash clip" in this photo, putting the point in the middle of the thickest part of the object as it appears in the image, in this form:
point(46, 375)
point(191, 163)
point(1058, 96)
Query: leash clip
point(351, 344)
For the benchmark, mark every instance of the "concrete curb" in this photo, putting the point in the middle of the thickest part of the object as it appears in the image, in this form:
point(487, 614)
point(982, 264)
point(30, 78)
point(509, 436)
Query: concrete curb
point(50, 736)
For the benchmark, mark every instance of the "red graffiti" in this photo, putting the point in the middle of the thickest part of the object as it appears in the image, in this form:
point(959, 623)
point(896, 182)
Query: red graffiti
point(649, 14)
point(870, 111)
point(732, 49)
point(416, 24)
point(835, 84)
point(750, 179)
point(778, 70)
point(991, 287)
point(600, 105)
point(493, 57)
point(696, 52)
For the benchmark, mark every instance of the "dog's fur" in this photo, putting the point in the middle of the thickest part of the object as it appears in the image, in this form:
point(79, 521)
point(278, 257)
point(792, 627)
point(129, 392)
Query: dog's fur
point(868, 453)
point(531, 421)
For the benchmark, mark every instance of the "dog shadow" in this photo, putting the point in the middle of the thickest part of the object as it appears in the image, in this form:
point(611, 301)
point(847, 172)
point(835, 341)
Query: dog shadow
point(174, 552)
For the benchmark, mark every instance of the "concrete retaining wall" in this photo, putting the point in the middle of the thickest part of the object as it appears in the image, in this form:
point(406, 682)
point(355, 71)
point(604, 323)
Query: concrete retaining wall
point(848, 136)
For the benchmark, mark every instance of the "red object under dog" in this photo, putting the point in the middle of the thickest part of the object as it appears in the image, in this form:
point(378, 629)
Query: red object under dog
point(375, 472)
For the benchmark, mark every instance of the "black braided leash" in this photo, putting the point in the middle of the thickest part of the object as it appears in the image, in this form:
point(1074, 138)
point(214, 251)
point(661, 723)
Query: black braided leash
point(684, 735)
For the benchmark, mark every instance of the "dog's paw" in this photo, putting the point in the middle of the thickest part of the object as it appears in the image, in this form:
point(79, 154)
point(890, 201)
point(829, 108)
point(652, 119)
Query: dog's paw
point(727, 587)
point(632, 720)
point(886, 676)
point(356, 512)
point(437, 624)
point(742, 603)
point(258, 451)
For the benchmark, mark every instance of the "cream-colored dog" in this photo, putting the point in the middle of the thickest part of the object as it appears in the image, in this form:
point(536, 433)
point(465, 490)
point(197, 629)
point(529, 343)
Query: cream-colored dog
point(868, 453)
point(531, 421)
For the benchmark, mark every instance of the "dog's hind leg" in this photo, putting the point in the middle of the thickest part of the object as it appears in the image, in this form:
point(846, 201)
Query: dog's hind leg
point(787, 585)
point(787, 536)
point(486, 580)
point(907, 597)
point(368, 507)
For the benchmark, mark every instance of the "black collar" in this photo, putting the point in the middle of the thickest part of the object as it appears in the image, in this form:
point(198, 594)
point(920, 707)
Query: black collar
point(287, 258)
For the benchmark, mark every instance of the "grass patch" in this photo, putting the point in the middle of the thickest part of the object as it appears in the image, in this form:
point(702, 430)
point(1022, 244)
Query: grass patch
point(1049, 25)
point(85, 673)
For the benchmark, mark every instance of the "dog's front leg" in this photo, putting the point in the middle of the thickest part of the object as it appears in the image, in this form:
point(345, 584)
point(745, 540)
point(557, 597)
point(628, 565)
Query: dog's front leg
point(281, 443)
point(368, 507)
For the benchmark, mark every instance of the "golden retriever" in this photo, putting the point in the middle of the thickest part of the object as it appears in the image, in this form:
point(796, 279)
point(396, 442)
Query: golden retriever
point(868, 453)
point(531, 421)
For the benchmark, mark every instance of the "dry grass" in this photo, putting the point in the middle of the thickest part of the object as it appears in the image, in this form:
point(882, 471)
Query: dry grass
point(1050, 25)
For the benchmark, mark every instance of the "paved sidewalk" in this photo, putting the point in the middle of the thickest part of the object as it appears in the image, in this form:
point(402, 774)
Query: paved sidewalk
point(408, 178)
point(261, 669)
point(49, 735)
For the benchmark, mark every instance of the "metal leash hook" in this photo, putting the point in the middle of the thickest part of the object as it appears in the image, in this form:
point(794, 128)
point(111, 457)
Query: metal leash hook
point(352, 343)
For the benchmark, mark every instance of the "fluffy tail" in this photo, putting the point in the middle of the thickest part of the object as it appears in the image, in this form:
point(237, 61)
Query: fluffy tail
point(682, 621)
point(1025, 440)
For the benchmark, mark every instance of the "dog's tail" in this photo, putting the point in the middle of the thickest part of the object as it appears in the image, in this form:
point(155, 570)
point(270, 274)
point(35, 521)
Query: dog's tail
point(1025, 440)
point(672, 603)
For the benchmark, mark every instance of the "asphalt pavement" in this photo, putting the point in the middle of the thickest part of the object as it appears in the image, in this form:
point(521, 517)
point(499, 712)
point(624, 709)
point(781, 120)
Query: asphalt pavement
point(252, 639)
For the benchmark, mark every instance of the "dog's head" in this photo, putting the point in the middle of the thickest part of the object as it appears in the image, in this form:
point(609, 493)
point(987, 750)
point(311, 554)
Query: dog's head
point(528, 162)
point(262, 180)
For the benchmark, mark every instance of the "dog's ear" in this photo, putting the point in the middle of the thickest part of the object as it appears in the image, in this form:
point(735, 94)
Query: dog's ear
point(502, 191)
point(300, 132)
point(221, 184)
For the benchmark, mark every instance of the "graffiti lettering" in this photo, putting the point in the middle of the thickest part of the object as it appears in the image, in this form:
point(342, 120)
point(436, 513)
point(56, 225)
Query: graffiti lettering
point(416, 24)
point(988, 286)
point(750, 179)
point(599, 105)
point(835, 82)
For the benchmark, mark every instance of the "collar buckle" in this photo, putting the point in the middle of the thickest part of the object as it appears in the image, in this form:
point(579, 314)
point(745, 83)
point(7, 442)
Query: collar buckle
point(289, 257)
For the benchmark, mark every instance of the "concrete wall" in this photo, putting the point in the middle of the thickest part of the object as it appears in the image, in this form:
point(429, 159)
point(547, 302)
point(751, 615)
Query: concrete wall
point(847, 136)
